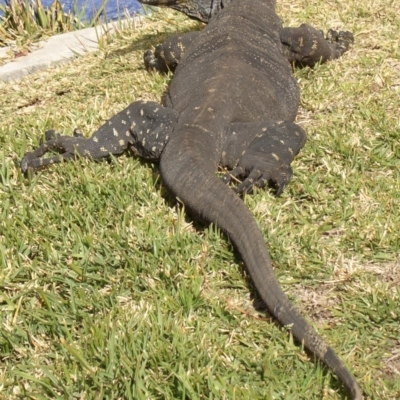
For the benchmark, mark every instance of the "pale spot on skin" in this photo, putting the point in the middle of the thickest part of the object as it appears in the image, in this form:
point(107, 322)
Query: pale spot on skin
point(275, 156)
point(211, 90)
point(314, 46)
point(103, 149)
point(210, 109)
point(115, 132)
point(141, 112)
point(122, 143)
point(95, 139)
point(127, 133)
point(123, 122)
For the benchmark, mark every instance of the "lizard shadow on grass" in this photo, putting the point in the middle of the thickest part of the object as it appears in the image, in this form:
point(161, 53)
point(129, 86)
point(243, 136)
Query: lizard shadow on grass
point(146, 41)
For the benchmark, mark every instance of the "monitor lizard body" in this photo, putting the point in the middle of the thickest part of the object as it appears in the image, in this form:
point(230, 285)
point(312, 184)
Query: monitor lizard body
point(232, 102)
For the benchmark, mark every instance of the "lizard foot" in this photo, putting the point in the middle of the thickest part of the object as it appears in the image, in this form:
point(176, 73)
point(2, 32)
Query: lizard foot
point(66, 146)
point(343, 39)
point(268, 157)
point(167, 55)
point(152, 61)
point(258, 173)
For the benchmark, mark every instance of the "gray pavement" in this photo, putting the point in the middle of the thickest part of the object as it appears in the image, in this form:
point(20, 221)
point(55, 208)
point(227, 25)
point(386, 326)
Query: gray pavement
point(59, 49)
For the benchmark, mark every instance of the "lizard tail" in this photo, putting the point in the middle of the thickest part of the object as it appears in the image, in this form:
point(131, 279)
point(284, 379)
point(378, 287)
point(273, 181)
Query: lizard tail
point(187, 176)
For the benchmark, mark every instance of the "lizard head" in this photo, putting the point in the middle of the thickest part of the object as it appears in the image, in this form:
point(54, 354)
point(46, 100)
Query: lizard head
point(202, 10)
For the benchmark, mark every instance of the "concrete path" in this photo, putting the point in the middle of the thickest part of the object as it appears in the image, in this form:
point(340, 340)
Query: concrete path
point(60, 49)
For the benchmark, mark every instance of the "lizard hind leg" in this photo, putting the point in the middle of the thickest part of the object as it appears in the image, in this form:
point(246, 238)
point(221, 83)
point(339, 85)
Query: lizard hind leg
point(268, 156)
point(143, 127)
point(151, 127)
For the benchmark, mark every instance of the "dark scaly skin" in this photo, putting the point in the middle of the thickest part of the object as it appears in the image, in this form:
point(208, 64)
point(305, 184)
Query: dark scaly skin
point(232, 102)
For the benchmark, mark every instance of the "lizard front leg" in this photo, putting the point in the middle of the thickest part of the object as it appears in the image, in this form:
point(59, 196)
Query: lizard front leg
point(306, 46)
point(143, 127)
point(167, 55)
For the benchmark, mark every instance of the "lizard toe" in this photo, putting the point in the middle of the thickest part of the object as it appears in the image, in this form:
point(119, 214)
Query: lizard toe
point(233, 175)
point(24, 165)
point(257, 178)
point(281, 177)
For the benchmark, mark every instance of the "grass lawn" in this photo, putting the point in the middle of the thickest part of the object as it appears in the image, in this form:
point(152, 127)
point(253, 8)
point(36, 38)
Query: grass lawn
point(109, 291)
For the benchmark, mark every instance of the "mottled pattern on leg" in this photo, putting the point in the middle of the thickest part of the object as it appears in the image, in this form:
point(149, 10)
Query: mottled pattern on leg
point(143, 127)
point(151, 128)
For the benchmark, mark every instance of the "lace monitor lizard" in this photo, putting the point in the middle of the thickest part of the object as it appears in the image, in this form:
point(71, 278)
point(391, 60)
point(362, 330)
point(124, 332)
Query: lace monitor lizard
point(232, 102)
